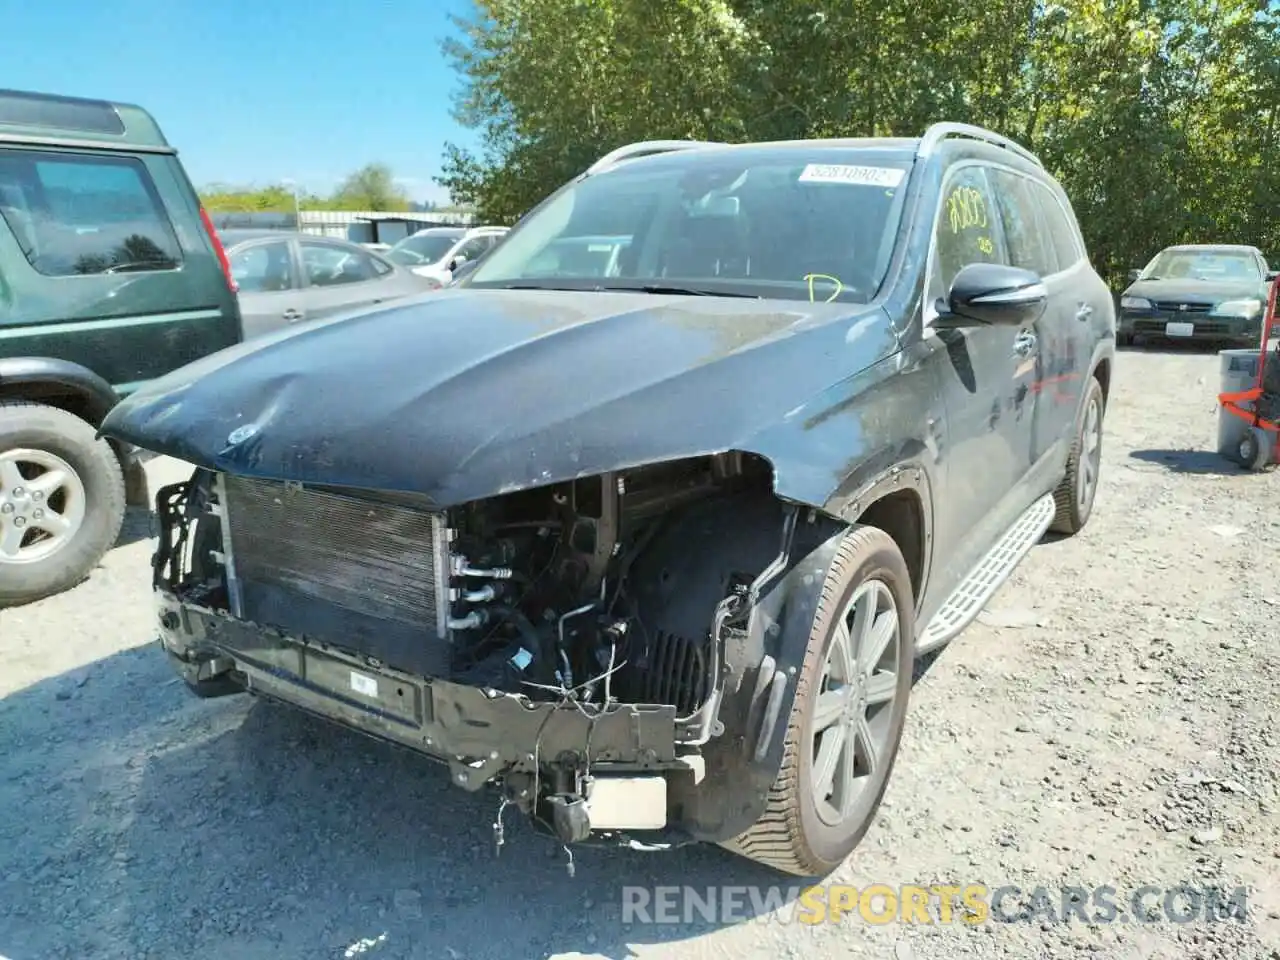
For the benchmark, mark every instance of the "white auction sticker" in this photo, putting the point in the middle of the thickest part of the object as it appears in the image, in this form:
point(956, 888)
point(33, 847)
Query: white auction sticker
point(362, 684)
point(859, 176)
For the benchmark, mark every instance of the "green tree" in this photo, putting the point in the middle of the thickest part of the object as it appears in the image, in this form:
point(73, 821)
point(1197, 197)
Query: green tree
point(553, 84)
point(223, 198)
point(1161, 117)
point(372, 187)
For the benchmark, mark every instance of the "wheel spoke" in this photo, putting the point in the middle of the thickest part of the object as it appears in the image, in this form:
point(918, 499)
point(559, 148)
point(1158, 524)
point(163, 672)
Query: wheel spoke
point(48, 482)
point(10, 478)
point(864, 743)
point(830, 748)
point(840, 658)
point(849, 774)
point(877, 642)
point(11, 537)
point(51, 522)
point(864, 621)
point(831, 704)
point(881, 687)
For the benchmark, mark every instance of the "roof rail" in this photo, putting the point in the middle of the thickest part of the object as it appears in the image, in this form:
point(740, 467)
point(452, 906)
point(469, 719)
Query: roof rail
point(645, 148)
point(940, 131)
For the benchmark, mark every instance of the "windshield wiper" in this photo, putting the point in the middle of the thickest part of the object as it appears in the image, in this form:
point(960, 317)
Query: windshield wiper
point(541, 286)
point(659, 288)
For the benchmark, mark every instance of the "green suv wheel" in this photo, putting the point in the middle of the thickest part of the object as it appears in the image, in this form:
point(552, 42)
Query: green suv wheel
point(62, 501)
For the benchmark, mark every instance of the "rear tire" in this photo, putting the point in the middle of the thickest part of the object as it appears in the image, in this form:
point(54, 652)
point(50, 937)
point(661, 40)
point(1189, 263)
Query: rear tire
point(1076, 493)
point(801, 831)
point(85, 488)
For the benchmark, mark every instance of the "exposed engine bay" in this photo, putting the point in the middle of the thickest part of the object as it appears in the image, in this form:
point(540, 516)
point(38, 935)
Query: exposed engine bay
point(561, 593)
point(551, 604)
point(574, 642)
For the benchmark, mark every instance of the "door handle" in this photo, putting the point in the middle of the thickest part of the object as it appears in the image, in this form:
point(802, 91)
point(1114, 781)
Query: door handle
point(1024, 344)
point(292, 315)
point(1085, 312)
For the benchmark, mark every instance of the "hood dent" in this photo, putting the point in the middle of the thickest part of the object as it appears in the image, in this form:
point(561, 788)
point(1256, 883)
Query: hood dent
point(475, 392)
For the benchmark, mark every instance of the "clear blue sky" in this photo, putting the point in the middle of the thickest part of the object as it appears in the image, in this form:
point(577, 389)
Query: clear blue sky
point(256, 91)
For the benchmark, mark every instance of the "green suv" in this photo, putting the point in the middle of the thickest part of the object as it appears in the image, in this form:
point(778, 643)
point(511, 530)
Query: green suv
point(110, 275)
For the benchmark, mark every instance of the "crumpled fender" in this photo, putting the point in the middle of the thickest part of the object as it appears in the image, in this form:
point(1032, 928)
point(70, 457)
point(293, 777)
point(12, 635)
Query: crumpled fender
point(742, 766)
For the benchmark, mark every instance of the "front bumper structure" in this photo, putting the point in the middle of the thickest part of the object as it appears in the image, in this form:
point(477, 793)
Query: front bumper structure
point(479, 733)
point(1205, 327)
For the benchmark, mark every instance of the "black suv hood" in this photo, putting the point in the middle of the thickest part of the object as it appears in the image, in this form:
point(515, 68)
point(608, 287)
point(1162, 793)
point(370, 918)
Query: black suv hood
point(1186, 290)
point(464, 394)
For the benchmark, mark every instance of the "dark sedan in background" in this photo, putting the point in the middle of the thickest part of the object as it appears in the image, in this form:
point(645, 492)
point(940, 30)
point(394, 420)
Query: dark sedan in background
point(285, 278)
point(1203, 292)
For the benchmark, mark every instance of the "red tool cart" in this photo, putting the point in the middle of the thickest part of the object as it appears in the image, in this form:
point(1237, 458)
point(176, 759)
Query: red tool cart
point(1259, 406)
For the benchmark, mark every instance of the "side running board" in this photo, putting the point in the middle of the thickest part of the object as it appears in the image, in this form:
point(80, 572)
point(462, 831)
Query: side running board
point(968, 599)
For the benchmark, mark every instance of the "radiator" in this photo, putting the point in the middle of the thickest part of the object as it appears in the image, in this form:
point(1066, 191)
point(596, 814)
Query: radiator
point(362, 575)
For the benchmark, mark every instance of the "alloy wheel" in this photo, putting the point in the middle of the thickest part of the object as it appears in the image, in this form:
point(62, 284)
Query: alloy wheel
point(42, 505)
point(852, 720)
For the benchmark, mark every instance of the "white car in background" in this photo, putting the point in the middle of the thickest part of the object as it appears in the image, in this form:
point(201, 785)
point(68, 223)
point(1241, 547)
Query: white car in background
point(437, 251)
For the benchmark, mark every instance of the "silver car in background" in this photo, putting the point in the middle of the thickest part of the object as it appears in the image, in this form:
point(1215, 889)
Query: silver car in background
point(286, 277)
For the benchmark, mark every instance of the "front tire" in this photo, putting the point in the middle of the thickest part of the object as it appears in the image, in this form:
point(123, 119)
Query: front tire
point(849, 712)
point(62, 501)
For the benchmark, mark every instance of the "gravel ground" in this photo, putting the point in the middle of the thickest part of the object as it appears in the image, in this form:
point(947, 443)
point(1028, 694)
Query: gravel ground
point(1111, 720)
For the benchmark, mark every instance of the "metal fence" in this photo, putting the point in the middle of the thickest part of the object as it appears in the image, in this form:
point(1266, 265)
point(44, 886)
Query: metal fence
point(360, 226)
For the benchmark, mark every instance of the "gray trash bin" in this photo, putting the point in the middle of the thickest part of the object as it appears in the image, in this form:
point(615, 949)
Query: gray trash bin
point(1237, 370)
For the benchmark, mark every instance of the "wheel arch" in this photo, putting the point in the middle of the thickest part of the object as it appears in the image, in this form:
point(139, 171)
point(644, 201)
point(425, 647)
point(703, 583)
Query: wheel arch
point(58, 383)
point(1102, 373)
point(742, 763)
point(80, 392)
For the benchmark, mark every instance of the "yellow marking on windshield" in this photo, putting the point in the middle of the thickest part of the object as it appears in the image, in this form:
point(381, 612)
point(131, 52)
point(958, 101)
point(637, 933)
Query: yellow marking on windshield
point(811, 277)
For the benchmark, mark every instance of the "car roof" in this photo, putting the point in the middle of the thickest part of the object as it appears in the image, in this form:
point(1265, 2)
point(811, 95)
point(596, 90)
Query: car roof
point(236, 235)
point(1214, 247)
point(438, 232)
point(959, 140)
point(46, 118)
point(241, 234)
point(903, 145)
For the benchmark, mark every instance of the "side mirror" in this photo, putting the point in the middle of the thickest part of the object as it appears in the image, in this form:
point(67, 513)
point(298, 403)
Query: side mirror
point(456, 261)
point(1272, 275)
point(1134, 275)
point(992, 294)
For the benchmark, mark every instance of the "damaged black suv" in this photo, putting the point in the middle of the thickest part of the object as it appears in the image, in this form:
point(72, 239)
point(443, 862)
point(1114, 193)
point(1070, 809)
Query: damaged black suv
point(644, 521)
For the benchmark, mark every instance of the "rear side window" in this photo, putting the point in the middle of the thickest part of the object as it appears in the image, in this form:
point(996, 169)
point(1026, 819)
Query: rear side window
point(78, 215)
point(1062, 232)
point(473, 248)
point(1025, 229)
point(263, 268)
point(332, 266)
point(968, 229)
